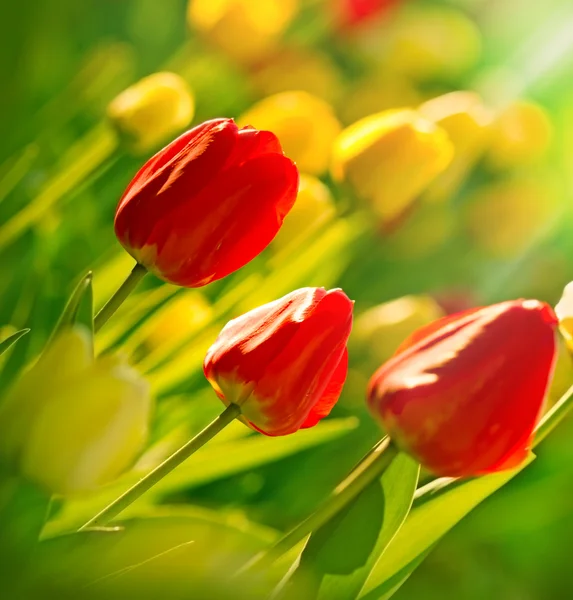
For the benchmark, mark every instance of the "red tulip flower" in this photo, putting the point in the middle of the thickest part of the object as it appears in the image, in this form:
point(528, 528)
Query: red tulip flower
point(207, 203)
point(354, 13)
point(463, 394)
point(285, 362)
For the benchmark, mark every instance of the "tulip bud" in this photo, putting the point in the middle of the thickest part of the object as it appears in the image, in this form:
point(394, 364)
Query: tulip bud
point(380, 330)
point(305, 125)
point(313, 208)
point(463, 394)
point(152, 110)
point(389, 158)
point(242, 29)
point(207, 204)
point(352, 14)
point(521, 134)
point(432, 41)
point(466, 120)
point(285, 362)
point(304, 69)
point(72, 423)
point(177, 320)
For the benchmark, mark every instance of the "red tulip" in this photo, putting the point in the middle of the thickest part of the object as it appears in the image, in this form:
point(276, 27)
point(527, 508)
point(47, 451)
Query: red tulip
point(463, 394)
point(285, 362)
point(354, 13)
point(207, 203)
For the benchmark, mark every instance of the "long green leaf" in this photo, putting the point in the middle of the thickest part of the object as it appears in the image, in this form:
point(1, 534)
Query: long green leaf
point(398, 484)
point(428, 522)
point(6, 344)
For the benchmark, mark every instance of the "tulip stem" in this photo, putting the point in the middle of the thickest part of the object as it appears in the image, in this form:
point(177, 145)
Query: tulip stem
point(368, 470)
point(119, 297)
point(143, 485)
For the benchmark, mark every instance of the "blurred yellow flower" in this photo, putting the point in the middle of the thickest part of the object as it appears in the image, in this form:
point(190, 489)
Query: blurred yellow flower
point(305, 125)
point(243, 29)
point(431, 41)
point(564, 312)
point(521, 134)
point(505, 217)
point(72, 423)
point(176, 321)
point(389, 158)
point(377, 93)
point(302, 69)
point(150, 111)
point(314, 206)
point(378, 332)
point(467, 122)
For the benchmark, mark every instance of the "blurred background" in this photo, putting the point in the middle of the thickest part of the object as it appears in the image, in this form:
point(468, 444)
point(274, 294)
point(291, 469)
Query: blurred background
point(491, 220)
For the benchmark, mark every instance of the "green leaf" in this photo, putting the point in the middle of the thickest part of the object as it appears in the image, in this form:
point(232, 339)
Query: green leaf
point(398, 485)
point(178, 553)
point(80, 304)
point(6, 344)
point(437, 508)
point(346, 541)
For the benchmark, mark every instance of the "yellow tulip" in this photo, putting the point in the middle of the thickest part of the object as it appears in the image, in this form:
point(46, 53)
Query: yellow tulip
point(305, 125)
point(71, 422)
point(314, 206)
point(521, 134)
point(152, 110)
point(467, 122)
point(242, 29)
point(378, 332)
point(378, 93)
point(505, 217)
point(390, 158)
point(430, 41)
point(176, 321)
point(302, 69)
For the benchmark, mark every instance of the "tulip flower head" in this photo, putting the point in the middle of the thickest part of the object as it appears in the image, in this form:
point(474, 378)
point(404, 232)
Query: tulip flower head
point(306, 126)
point(463, 395)
point(389, 158)
point(207, 204)
point(151, 110)
point(72, 423)
point(285, 362)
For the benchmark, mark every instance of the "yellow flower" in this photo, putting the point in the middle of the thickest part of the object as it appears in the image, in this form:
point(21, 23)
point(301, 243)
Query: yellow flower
point(379, 331)
point(390, 158)
point(302, 69)
point(427, 42)
point(314, 206)
point(521, 134)
point(305, 125)
point(378, 93)
point(72, 423)
point(505, 217)
point(467, 122)
point(243, 29)
point(176, 321)
point(152, 110)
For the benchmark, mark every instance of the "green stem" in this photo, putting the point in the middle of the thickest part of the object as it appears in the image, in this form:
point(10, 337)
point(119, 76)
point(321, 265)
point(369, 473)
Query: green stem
point(372, 467)
point(554, 416)
point(134, 492)
point(119, 297)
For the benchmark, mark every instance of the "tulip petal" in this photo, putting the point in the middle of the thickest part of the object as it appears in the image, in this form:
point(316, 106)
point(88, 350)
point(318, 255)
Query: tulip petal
point(188, 163)
point(205, 240)
point(330, 395)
